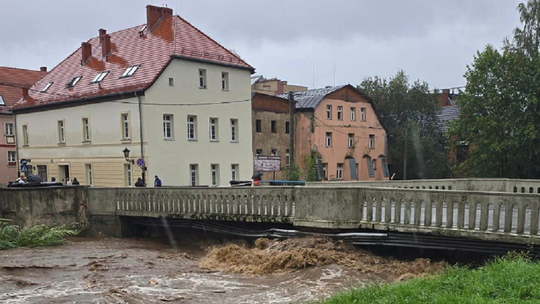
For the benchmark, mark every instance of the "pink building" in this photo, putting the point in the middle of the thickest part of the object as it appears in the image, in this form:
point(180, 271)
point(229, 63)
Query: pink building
point(14, 84)
point(340, 126)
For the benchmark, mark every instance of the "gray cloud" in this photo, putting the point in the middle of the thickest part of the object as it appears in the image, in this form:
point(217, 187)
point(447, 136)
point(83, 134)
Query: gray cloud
point(430, 40)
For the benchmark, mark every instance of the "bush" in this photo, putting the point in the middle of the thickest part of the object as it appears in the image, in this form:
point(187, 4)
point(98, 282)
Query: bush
point(12, 236)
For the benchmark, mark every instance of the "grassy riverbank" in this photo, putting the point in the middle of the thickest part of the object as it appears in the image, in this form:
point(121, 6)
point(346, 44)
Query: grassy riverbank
point(511, 279)
point(12, 236)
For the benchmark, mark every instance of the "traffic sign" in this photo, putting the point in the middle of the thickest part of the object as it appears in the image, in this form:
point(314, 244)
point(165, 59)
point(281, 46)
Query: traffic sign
point(140, 162)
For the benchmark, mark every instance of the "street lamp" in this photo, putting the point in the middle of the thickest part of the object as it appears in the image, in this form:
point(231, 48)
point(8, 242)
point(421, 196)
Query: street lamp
point(126, 155)
point(132, 161)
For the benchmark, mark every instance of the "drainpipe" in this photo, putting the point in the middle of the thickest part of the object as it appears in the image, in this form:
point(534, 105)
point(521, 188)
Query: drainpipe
point(141, 137)
point(16, 146)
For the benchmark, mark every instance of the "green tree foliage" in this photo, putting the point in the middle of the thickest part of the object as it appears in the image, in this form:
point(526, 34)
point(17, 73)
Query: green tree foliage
point(12, 236)
point(409, 109)
point(500, 105)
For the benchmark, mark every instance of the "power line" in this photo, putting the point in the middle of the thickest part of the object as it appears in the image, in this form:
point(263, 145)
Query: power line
point(339, 131)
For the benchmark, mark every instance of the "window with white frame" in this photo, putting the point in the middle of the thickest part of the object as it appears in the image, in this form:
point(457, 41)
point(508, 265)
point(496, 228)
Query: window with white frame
point(325, 170)
point(11, 158)
point(192, 127)
point(224, 81)
point(61, 132)
point(86, 129)
point(89, 174)
point(73, 81)
point(234, 130)
point(234, 172)
point(193, 174)
point(328, 139)
point(8, 128)
point(340, 113)
point(47, 86)
point(2, 102)
point(128, 175)
point(202, 79)
point(362, 114)
point(353, 113)
point(213, 129)
point(124, 117)
point(351, 140)
point(287, 157)
point(130, 71)
point(167, 126)
point(215, 174)
point(371, 143)
point(339, 173)
point(100, 76)
point(25, 135)
point(329, 112)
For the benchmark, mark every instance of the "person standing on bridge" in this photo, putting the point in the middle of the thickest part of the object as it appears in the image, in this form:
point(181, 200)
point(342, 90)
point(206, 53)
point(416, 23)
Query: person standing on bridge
point(157, 181)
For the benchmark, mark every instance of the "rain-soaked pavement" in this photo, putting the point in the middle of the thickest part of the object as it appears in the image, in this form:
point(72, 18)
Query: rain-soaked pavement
point(103, 270)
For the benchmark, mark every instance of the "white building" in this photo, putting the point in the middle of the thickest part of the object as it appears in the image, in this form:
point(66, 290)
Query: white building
point(164, 90)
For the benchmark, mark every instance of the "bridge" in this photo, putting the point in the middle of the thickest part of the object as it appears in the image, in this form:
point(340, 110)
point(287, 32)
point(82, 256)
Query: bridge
point(438, 213)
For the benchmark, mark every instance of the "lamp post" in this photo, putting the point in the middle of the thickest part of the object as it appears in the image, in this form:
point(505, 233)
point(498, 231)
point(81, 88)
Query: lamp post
point(132, 161)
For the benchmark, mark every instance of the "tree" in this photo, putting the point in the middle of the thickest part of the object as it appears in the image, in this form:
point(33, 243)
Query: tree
point(500, 105)
point(408, 112)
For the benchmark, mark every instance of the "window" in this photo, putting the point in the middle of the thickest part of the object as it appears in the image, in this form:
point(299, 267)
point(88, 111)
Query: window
point(193, 175)
point(328, 139)
point(100, 76)
point(11, 158)
point(25, 135)
point(371, 143)
point(362, 114)
point(287, 127)
point(202, 79)
point(287, 157)
point(273, 126)
point(213, 129)
point(328, 112)
point(369, 164)
point(89, 175)
point(73, 82)
point(125, 126)
point(128, 72)
point(128, 175)
point(42, 172)
point(339, 173)
point(8, 128)
point(224, 81)
point(171, 82)
point(325, 170)
point(167, 126)
point(47, 86)
point(192, 127)
point(384, 165)
point(2, 101)
point(234, 130)
point(215, 175)
point(351, 140)
point(258, 152)
point(258, 126)
point(353, 114)
point(340, 113)
point(61, 134)
point(86, 129)
point(234, 172)
point(274, 152)
point(374, 165)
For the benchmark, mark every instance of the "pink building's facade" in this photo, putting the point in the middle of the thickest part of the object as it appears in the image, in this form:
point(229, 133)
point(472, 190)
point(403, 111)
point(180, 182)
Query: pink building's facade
point(14, 85)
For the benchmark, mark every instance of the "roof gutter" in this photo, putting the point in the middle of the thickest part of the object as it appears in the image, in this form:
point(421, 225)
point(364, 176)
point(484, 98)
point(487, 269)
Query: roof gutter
point(76, 102)
point(251, 69)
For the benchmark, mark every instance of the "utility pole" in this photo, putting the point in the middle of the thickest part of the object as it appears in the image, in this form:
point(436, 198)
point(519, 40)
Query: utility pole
point(405, 151)
point(292, 107)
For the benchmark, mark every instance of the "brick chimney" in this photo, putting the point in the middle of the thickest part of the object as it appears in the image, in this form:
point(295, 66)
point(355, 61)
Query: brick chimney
point(444, 98)
point(86, 52)
point(155, 13)
point(105, 45)
point(25, 92)
point(43, 69)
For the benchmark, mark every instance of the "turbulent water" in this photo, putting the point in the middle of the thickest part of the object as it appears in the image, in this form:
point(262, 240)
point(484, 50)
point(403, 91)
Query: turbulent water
point(144, 271)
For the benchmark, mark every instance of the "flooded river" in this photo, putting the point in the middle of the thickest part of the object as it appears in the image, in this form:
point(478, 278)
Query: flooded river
point(103, 270)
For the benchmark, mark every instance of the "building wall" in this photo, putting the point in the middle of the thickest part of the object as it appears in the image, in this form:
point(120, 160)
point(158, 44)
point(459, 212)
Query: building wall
point(170, 159)
point(103, 152)
point(306, 140)
point(8, 171)
point(273, 87)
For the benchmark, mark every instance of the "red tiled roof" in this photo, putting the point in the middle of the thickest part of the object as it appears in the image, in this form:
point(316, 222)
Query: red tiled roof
point(153, 51)
point(12, 80)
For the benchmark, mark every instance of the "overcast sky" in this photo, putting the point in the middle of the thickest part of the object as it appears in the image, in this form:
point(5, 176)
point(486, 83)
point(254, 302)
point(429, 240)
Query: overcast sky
point(301, 41)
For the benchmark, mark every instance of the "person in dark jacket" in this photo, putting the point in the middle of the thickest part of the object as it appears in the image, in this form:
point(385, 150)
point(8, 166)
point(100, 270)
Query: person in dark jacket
point(139, 183)
point(75, 182)
point(157, 181)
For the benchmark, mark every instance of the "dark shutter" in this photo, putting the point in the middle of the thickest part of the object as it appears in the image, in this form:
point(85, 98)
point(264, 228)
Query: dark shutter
point(352, 166)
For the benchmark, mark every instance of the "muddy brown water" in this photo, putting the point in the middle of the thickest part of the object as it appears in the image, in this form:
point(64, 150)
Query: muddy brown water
point(103, 270)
